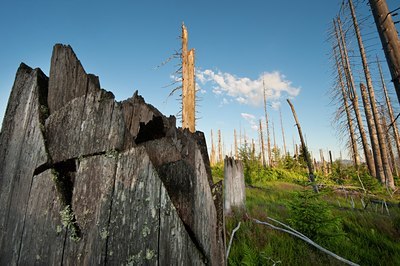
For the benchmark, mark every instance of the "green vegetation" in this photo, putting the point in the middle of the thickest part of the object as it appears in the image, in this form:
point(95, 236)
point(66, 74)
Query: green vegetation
point(69, 223)
point(336, 219)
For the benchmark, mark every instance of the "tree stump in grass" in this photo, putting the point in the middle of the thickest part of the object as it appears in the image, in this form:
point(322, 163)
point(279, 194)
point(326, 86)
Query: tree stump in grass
point(234, 187)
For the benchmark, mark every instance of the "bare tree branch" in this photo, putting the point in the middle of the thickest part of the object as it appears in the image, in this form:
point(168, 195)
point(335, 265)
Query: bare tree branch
point(230, 240)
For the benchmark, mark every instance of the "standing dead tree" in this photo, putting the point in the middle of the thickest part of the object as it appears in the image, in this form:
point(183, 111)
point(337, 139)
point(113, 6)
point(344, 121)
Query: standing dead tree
point(283, 132)
point(188, 84)
point(304, 150)
point(220, 158)
point(389, 38)
point(350, 125)
point(262, 145)
point(353, 96)
point(213, 156)
point(267, 127)
point(388, 176)
point(236, 145)
point(393, 122)
point(234, 186)
point(323, 164)
point(388, 141)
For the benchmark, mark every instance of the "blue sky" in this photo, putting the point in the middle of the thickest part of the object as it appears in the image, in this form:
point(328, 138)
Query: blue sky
point(237, 43)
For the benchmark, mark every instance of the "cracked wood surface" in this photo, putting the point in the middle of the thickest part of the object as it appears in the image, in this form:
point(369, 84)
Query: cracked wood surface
point(66, 144)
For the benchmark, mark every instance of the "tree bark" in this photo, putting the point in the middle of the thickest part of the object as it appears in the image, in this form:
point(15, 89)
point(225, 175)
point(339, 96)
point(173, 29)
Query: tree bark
point(389, 39)
point(304, 149)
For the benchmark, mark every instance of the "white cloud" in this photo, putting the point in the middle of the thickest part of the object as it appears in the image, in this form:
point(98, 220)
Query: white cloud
point(248, 117)
point(247, 91)
point(275, 105)
point(251, 119)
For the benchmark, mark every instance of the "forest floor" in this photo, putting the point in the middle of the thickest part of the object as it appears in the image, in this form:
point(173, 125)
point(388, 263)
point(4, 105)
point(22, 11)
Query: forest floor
point(361, 227)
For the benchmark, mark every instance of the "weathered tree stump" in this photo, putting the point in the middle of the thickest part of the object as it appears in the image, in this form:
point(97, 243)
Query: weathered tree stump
point(87, 180)
point(234, 186)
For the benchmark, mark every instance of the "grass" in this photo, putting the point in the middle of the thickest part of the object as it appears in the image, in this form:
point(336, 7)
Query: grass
point(369, 236)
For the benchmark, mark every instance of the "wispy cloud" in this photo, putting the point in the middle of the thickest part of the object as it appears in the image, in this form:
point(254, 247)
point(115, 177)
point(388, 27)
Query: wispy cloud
point(247, 91)
point(251, 119)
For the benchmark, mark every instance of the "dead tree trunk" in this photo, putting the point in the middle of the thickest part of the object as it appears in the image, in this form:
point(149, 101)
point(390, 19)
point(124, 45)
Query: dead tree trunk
point(283, 132)
point(267, 128)
point(213, 159)
point(262, 144)
point(353, 140)
point(388, 177)
point(380, 175)
point(253, 149)
point(275, 149)
point(234, 186)
point(304, 149)
point(188, 84)
point(220, 158)
point(389, 145)
point(352, 93)
point(389, 38)
point(323, 164)
point(236, 146)
point(390, 112)
point(331, 160)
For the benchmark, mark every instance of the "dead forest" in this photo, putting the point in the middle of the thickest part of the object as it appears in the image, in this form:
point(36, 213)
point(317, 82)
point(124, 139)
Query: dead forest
point(86, 179)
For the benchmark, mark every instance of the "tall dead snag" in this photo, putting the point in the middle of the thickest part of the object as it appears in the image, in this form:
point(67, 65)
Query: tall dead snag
point(219, 147)
point(353, 96)
point(234, 186)
point(316, 165)
point(304, 149)
point(393, 123)
point(188, 84)
point(353, 139)
point(213, 157)
point(267, 127)
point(389, 38)
point(262, 145)
point(253, 148)
point(236, 145)
point(389, 145)
point(323, 164)
point(283, 131)
point(388, 177)
point(380, 175)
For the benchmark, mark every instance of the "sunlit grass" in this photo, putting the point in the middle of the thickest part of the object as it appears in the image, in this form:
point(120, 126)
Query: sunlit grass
point(371, 237)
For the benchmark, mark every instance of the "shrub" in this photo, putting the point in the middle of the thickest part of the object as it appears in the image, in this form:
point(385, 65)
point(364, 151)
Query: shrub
point(312, 216)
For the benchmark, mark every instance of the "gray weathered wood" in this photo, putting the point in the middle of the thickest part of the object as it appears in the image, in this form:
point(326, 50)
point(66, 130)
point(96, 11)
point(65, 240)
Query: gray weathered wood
point(22, 150)
point(68, 80)
point(234, 186)
point(43, 237)
point(91, 203)
point(84, 126)
point(138, 190)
